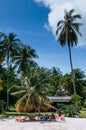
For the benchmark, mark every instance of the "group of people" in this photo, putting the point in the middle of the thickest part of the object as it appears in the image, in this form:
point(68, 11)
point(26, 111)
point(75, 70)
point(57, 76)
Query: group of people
point(45, 117)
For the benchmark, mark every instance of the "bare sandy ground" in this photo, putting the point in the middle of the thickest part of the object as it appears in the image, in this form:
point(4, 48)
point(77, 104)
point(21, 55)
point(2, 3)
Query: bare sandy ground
point(69, 124)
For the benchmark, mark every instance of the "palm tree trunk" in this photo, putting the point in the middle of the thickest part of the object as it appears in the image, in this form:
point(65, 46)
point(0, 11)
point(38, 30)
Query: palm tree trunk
point(39, 110)
point(7, 107)
point(73, 74)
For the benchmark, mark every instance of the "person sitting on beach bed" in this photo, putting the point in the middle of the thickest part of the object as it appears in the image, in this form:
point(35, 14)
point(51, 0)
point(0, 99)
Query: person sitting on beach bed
point(22, 118)
point(62, 118)
point(56, 116)
point(52, 117)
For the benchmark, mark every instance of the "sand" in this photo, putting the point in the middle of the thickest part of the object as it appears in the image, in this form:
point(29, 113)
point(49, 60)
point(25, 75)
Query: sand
point(69, 124)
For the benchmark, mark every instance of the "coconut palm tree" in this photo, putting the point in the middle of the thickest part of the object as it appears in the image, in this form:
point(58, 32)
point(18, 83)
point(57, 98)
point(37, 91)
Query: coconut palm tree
point(67, 31)
point(24, 60)
point(1, 51)
point(32, 92)
point(2, 36)
point(9, 49)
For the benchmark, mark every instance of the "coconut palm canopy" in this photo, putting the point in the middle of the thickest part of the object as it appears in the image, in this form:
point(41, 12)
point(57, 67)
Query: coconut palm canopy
point(24, 59)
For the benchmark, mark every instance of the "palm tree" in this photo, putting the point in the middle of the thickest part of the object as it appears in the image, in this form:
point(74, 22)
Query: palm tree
point(2, 36)
point(32, 92)
point(23, 61)
point(1, 51)
point(67, 31)
point(9, 49)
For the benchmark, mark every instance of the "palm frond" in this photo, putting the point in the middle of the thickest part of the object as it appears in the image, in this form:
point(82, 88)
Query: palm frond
point(76, 27)
point(16, 87)
point(11, 88)
point(66, 16)
point(77, 16)
point(71, 12)
point(61, 22)
point(18, 92)
point(66, 28)
point(21, 100)
point(73, 37)
point(62, 37)
point(58, 29)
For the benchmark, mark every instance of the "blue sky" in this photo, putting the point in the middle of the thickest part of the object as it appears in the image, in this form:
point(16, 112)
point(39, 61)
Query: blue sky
point(33, 22)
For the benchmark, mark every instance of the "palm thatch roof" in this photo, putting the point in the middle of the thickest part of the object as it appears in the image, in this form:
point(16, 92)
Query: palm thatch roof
point(60, 99)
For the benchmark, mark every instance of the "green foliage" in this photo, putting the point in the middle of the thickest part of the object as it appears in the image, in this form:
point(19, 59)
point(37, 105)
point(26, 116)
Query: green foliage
point(55, 81)
point(46, 81)
point(11, 47)
point(84, 103)
point(12, 80)
point(68, 110)
point(80, 83)
point(76, 100)
point(83, 113)
point(2, 104)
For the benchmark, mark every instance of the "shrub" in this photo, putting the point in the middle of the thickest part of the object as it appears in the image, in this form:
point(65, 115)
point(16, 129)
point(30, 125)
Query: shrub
point(76, 100)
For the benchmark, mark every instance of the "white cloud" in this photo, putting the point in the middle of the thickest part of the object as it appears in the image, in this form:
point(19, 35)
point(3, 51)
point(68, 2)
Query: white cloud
point(46, 25)
point(57, 11)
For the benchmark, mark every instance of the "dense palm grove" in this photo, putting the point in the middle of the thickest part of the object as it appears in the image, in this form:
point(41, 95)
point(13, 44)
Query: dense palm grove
point(26, 85)
point(23, 78)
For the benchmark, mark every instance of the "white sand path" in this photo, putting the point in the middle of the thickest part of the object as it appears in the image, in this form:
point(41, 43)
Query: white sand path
point(69, 124)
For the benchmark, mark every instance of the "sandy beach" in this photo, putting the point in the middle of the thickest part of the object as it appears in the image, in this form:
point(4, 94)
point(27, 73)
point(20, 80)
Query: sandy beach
point(69, 124)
